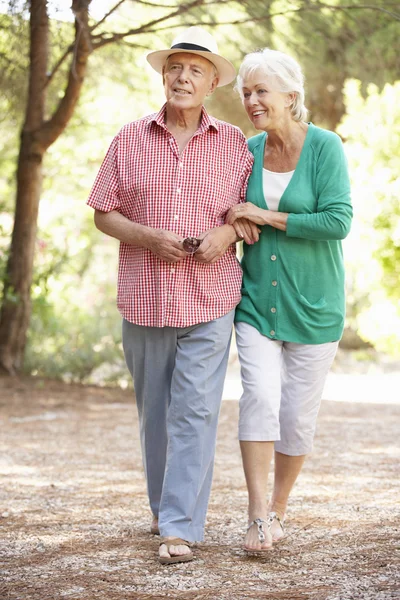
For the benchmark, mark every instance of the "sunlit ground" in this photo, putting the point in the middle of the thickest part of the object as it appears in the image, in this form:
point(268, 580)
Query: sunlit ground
point(379, 388)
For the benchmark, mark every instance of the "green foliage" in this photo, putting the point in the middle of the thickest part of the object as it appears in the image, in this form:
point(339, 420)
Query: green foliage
point(371, 129)
point(70, 341)
point(353, 42)
point(388, 222)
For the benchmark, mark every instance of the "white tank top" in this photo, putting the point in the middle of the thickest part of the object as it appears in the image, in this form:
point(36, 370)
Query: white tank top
point(274, 184)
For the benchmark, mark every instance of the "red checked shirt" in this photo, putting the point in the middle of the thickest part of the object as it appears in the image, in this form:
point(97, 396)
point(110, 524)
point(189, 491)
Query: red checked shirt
point(144, 177)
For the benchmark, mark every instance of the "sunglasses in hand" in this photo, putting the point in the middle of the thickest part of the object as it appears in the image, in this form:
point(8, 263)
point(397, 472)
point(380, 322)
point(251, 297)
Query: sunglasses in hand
point(191, 244)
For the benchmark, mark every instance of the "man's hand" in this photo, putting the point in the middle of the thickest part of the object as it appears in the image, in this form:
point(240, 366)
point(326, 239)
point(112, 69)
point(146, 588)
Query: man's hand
point(166, 245)
point(215, 243)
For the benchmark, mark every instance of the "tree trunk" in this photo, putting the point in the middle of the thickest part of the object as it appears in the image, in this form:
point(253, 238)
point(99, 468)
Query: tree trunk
point(37, 135)
point(16, 308)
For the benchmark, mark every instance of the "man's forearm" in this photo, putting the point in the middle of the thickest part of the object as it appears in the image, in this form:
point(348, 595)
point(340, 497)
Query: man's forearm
point(231, 233)
point(117, 226)
point(228, 230)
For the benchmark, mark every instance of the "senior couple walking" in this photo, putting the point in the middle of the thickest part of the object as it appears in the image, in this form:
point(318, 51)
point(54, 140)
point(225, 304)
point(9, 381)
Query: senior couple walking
point(179, 188)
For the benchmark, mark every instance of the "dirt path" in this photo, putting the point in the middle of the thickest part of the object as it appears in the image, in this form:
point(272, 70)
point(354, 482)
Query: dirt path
point(74, 517)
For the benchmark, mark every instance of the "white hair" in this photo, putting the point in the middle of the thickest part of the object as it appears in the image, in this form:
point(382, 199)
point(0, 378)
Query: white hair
point(285, 71)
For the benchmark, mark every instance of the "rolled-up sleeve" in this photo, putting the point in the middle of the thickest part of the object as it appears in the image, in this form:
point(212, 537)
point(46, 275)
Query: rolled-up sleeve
point(332, 220)
point(248, 160)
point(104, 195)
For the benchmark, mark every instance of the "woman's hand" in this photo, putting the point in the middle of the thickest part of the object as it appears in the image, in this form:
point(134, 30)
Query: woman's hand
point(247, 231)
point(247, 210)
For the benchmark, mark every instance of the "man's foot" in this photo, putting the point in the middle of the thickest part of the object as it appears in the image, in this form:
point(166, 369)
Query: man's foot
point(174, 550)
point(154, 527)
point(258, 537)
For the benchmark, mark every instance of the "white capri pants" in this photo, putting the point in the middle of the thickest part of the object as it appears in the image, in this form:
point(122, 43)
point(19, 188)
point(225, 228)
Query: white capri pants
point(282, 388)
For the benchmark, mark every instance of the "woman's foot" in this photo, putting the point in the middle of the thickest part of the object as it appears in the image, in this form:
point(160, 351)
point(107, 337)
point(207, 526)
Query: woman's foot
point(276, 521)
point(172, 551)
point(258, 537)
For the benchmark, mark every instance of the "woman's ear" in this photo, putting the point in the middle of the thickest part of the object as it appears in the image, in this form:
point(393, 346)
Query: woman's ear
point(290, 98)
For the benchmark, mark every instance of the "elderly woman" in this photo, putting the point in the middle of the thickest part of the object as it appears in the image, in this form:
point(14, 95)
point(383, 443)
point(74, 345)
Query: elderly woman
point(291, 316)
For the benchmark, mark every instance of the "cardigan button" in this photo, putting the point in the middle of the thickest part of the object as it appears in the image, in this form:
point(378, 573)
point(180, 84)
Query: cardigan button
point(273, 310)
point(273, 257)
point(274, 283)
point(272, 332)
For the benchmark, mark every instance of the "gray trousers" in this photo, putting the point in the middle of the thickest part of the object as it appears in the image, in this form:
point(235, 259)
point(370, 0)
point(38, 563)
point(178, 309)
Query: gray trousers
point(178, 374)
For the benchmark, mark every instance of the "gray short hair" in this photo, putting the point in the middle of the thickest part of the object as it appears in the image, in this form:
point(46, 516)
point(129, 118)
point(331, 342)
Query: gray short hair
point(286, 71)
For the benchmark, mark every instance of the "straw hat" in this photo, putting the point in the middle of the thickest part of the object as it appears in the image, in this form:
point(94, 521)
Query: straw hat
point(195, 40)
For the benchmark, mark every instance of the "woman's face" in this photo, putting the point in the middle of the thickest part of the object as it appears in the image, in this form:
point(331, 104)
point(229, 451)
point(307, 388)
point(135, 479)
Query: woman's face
point(266, 108)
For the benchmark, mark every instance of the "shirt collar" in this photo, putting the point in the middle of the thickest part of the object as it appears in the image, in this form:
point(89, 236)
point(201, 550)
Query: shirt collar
point(207, 120)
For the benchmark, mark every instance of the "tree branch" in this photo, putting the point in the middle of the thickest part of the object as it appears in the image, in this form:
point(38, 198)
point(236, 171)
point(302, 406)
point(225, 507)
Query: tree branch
point(59, 63)
point(114, 37)
point(110, 12)
point(52, 128)
point(360, 7)
point(101, 40)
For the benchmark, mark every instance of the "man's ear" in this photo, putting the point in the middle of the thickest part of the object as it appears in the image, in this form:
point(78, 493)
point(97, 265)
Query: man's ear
point(213, 86)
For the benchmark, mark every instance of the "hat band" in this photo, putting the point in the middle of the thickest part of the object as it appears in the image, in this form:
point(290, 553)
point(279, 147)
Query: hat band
point(186, 46)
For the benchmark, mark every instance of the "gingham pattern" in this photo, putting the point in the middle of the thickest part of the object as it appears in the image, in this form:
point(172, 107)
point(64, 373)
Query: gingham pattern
point(146, 180)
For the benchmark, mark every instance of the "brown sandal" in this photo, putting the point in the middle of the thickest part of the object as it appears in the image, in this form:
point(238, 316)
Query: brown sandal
point(168, 560)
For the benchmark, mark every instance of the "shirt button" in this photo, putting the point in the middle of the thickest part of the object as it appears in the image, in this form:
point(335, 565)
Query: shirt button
point(169, 296)
point(172, 270)
point(274, 283)
point(273, 257)
point(273, 310)
point(181, 165)
point(272, 332)
point(176, 217)
point(178, 191)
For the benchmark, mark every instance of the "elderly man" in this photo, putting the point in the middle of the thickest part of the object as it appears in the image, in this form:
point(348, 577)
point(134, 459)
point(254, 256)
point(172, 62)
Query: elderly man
point(163, 190)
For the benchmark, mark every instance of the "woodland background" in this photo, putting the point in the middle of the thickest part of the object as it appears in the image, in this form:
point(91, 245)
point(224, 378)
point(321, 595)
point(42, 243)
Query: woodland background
point(70, 77)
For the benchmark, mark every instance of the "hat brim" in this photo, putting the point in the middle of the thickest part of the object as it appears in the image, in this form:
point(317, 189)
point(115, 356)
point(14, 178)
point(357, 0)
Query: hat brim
point(226, 70)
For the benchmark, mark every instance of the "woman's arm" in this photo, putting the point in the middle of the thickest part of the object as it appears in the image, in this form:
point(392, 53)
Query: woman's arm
point(332, 220)
point(257, 215)
point(334, 213)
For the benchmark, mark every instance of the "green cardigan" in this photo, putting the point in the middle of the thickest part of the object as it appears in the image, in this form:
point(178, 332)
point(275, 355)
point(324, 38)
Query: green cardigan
point(293, 280)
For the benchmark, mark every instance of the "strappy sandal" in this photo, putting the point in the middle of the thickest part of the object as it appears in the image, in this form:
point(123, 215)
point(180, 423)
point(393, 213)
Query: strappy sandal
point(169, 560)
point(261, 535)
point(274, 517)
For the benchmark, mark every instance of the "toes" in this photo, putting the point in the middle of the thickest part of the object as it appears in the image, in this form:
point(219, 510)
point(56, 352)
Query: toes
point(178, 550)
point(253, 543)
point(173, 551)
point(163, 551)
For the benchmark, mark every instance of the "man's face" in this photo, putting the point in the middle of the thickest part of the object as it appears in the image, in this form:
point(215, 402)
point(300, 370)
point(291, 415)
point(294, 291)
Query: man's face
point(188, 79)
